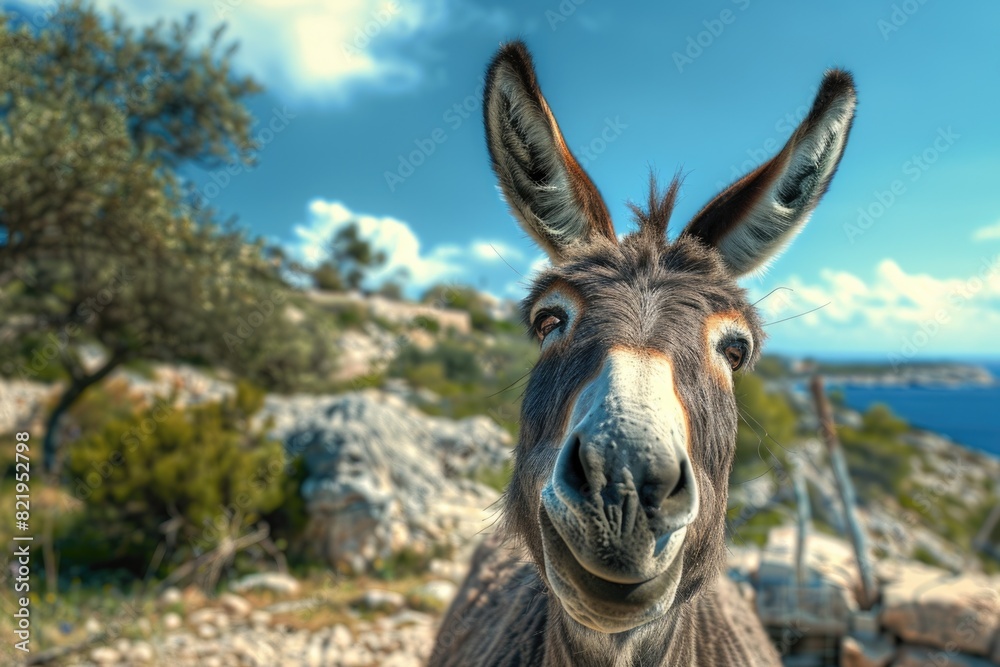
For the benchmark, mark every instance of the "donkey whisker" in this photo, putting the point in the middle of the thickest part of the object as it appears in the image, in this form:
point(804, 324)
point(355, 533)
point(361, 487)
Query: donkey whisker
point(505, 261)
point(813, 310)
point(770, 293)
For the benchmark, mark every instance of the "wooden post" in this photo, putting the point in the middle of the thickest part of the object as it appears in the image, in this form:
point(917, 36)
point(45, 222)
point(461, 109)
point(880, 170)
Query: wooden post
point(982, 539)
point(804, 515)
point(846, 488)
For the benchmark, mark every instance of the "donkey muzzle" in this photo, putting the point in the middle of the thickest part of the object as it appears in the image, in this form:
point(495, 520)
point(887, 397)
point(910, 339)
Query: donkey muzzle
point(614, 513)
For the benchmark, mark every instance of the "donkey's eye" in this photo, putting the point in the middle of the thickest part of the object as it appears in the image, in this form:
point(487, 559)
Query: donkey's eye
point(546, 322)
point(736, 353)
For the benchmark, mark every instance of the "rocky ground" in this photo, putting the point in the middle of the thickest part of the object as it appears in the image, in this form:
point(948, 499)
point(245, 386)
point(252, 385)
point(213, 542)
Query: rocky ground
point(380, 628)
point(385, 477)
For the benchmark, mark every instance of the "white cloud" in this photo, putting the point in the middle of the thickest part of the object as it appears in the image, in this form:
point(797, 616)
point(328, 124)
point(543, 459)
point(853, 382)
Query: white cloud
point(397, 240)
point(495, 251)
point(987, 233)
point(320, 48)
point(897, 312)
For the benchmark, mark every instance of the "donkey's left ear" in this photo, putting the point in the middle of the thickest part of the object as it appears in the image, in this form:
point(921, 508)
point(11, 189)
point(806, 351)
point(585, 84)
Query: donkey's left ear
point(754, 218)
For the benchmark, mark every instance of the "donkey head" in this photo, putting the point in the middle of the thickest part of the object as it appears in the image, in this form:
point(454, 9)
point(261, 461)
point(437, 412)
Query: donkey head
point(629, 421)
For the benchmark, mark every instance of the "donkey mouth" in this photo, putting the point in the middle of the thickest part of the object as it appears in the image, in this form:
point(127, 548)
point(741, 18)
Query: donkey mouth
point(606, 601)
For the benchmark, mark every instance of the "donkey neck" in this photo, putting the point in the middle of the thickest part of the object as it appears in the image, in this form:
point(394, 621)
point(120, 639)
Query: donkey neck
point(709, 629)
point(670, 640)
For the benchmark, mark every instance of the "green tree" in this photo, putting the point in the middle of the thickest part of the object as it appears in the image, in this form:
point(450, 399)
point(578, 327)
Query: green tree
point(352, 258)
point(100, 241)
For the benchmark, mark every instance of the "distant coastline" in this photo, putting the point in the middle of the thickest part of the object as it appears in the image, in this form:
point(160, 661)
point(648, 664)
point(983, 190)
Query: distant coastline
point(938, 375)
point(957, 400)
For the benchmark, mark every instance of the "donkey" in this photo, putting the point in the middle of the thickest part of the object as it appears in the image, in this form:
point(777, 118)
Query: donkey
point(612, 545)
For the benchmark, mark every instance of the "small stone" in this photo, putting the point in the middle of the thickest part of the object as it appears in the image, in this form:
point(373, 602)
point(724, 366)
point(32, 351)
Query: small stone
point(170, 596)
point(202, 616)
point(193, 597)
point(172, 621)
point(92, 626)
point(440, 591)
point(276, 582)
point(341, 637)
point(105, 655)
point(206, 631)
point(141, 652)
point(235, 605)
point(260, 618)
point(383, 600)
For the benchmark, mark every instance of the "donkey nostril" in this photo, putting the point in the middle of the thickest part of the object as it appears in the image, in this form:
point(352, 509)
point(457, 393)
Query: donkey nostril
point(653, 494)
point(682, 481)
point(576, 471)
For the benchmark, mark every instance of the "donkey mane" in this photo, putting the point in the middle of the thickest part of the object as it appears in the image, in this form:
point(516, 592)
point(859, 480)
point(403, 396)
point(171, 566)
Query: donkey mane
point(654, 219)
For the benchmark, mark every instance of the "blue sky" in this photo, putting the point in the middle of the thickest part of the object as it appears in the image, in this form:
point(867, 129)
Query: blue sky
point(711, 89)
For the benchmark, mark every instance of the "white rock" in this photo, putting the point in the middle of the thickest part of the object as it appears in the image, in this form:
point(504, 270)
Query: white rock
point(931, 607)
point(206, 631)
point(105, 655)
point(235, 605)
point(385, 476)
point(377, 598)
point(172, 621)
point(92, 626)
point(141, 652)
point(170, 596)
point(341, 636)
point(276, 582)
point(439, 590)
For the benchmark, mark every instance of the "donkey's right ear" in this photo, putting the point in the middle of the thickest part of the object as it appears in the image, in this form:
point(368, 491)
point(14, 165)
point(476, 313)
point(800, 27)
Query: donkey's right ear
point(547, 189)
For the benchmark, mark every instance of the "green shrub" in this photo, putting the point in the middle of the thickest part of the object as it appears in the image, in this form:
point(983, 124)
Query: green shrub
point(198, 473)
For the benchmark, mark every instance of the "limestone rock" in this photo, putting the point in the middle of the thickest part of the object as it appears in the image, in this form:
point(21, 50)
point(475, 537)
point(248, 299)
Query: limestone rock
point(927, 606)
point(383, 476)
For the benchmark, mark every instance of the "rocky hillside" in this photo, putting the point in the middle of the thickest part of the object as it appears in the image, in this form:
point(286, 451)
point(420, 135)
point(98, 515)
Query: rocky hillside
point(403, 471)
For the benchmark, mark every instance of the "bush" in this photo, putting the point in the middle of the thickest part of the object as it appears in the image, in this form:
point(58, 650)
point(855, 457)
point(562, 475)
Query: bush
point(187, 477)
